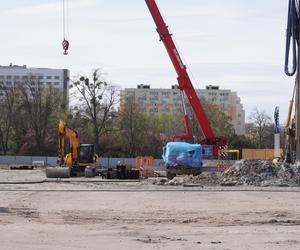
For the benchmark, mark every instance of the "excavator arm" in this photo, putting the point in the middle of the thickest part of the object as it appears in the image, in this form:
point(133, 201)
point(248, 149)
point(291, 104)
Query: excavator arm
point(63, 132)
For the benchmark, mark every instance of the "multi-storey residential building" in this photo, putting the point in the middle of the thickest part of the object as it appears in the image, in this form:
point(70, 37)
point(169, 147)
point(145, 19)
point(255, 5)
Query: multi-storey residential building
point(14, 74)
point(170, 101)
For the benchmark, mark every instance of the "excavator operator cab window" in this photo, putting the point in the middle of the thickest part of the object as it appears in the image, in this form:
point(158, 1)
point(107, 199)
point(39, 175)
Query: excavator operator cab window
point(86, 153)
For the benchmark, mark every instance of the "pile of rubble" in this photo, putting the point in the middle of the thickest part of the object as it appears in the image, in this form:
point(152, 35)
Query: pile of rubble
point(244, 172)
point(205, 179)
point(261, 173)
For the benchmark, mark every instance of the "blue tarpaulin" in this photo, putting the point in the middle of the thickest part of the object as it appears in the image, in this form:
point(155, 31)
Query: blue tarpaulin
point(183, 154)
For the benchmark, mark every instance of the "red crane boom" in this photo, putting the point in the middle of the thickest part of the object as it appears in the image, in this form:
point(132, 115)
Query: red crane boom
point(184, 81)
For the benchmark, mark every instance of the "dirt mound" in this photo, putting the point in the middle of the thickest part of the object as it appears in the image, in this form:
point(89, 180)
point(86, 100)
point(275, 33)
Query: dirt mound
point(261, 173)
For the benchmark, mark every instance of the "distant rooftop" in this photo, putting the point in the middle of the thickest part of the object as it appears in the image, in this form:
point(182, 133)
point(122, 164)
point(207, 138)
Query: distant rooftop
point(143, 86)
point(175, 86)
point(213, 87)
point(14, 66)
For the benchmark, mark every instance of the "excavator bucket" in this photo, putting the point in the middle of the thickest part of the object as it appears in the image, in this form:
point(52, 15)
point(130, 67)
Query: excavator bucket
point(58, 172)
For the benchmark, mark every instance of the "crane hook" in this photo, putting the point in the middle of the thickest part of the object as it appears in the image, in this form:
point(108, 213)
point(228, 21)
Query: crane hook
point(65, 44)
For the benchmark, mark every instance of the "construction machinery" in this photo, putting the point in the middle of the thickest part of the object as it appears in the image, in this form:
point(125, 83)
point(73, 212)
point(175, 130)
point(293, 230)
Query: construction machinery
point(79, 157)
point(186, 87)
point(292, 147)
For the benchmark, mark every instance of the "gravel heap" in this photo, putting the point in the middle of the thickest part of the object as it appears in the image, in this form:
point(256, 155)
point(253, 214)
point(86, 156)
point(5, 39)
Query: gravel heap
point(261, 173)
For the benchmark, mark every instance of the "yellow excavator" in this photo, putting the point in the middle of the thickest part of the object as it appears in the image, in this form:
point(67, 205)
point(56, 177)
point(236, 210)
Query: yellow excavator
point(74, 162)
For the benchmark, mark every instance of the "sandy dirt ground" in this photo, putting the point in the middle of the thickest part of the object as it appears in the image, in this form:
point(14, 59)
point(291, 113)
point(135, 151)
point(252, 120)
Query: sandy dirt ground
point(80, 214)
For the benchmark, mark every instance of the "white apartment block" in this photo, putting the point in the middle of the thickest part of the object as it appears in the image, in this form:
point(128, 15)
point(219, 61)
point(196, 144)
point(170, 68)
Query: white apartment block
point(14, 74)
point(156, 101)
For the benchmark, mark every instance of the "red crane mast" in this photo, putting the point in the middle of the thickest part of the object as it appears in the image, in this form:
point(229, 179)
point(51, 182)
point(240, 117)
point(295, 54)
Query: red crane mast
point(184, 82)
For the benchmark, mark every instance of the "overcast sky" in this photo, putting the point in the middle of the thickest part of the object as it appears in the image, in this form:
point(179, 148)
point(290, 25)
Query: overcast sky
point(236, 44)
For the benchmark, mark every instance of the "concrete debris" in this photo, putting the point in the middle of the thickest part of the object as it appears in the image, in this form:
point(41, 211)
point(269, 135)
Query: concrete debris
point(261, 173)
point(244, 172)
point(205, 179)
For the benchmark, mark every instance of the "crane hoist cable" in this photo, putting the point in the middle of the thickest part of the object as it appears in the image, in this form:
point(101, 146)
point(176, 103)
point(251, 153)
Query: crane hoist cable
point(292, 36)
point(65, 42)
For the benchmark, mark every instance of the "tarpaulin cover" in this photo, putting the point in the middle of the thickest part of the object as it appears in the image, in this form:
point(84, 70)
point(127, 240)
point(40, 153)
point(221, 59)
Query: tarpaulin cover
point(183, 154)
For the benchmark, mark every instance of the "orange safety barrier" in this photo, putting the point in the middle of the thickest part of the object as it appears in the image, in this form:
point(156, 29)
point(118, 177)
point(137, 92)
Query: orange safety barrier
point(143, 163)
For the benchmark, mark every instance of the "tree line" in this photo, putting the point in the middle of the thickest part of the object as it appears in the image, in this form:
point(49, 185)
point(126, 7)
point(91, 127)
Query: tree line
point(29, 115)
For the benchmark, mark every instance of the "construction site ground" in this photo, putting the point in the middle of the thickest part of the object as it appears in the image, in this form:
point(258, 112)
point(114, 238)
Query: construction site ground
point(81, 213)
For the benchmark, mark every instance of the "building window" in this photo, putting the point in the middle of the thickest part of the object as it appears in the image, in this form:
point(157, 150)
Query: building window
point(48, 83)
point(141, 99)
point(17, 77)
point(56, 77)
point(56, 83)
point(41, 77)
point(8, 77)
point(130, 94)
point(49, 77)
point(154, 110)
point(8, 83)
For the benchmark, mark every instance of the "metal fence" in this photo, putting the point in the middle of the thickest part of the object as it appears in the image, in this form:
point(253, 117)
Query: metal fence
point(29, 160)
point(26, 160)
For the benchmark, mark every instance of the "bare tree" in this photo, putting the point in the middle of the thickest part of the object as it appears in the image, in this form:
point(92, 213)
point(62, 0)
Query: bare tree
point(97, 99)
point(7, 112)
point(133, 127)
point(39, 103)
point(260, 129)
point(219, 121)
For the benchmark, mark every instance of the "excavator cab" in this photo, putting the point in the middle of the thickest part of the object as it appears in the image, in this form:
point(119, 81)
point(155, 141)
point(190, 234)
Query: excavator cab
point(86, 153)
